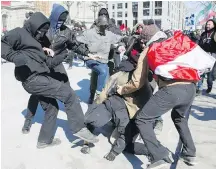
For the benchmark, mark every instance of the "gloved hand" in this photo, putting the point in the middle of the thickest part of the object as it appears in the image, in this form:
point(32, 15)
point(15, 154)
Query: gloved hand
point(111, 156)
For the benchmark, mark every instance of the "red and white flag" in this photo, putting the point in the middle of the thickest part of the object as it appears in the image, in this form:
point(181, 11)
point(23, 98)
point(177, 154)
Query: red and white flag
point(179, 58)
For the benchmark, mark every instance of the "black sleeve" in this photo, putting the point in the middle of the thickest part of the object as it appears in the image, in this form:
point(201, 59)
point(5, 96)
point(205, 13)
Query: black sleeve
point(56, 59)
point(77, 47)
point(10, 51)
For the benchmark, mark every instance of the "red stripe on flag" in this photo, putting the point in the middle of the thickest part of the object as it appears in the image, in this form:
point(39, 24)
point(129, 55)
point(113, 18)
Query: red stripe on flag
point(169, 50)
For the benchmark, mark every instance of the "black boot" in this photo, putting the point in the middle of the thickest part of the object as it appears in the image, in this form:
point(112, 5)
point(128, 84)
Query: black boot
point(209, 89)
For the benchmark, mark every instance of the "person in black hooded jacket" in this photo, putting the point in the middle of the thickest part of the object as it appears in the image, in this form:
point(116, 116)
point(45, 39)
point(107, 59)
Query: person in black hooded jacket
point(32, 67)
point(59, 38)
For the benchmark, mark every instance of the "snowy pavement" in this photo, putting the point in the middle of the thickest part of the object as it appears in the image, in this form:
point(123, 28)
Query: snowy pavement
point(19, 151)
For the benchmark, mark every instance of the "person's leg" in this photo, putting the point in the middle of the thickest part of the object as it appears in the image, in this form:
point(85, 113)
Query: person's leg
point(46, 135)
point(116, 105)
point(48, 87)
point(161, 102)
point(131, 135)
point(71, 57)
point(180, 118)
point(102, 71)
point(93, 86)
point(96, 117)
point(31, 111)
point(209, 81)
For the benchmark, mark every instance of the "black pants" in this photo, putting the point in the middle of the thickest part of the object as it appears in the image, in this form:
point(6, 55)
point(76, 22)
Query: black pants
point(211, 76)
point(178, 98)
point(115, 108)
point(48, 89)
point(59, 73)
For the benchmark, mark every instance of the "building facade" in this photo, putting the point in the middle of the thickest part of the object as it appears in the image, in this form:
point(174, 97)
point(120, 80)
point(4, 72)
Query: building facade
point(44, 7)
point(13, 13)
point(167, 14)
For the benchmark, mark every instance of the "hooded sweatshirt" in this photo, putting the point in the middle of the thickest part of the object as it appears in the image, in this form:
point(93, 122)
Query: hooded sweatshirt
point(20, 47)
point(63, 38)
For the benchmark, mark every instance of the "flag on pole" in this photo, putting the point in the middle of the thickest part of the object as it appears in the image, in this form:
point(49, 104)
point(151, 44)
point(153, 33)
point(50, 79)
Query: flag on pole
point(207, 13)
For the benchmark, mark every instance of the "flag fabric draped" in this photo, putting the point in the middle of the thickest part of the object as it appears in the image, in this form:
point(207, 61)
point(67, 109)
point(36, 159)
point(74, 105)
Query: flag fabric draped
point(179, 58)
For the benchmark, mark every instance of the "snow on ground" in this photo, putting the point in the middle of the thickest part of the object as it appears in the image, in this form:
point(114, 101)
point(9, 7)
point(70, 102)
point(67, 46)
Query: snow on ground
point(19, 151)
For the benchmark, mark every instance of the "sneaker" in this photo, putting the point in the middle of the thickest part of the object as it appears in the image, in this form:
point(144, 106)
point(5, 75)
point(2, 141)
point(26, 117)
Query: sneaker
point(86, 135)
point(27, 126)
point(157, 165)
point(158, 127)
point(54, 142)
point(162, 163)
point(188, 159)
point(209, 90)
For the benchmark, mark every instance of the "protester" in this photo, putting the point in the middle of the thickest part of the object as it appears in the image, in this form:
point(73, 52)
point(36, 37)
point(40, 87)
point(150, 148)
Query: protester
point(176, 94)
point(99, 40)
point(32, 67)
point(208, 43)
point(59, 38)
point(112, 54)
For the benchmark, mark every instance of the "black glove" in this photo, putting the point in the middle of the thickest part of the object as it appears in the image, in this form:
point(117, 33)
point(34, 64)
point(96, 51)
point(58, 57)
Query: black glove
point(111, 156)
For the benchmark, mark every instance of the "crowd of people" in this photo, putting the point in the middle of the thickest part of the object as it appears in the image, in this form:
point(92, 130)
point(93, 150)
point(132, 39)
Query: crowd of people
point(124, 89)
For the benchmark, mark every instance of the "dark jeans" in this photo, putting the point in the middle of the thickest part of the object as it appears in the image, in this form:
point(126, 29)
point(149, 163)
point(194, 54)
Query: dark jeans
point(102, 71)
point(48, 90)
point(179, 98)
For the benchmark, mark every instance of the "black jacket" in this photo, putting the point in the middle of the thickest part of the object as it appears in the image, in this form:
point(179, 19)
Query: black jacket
point(207, 41)
point(20, 47)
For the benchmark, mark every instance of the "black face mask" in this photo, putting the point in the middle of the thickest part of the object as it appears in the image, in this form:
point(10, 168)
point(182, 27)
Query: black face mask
point(102, 29)
point(41, 32)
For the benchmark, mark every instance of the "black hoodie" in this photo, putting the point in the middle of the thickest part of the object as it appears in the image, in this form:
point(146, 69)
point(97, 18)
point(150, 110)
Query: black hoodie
point(20, 47)
point(208, 45)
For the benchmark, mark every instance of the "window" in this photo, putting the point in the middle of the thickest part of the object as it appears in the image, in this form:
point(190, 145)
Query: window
point(126, 23)
point(135, 22)
point(158, 12)
point(158, 4)
point(135, 14)
point(146, 4)
point(146, 12)
point(113, 14)
point(126, 14)
point(125, 5)
point(119, 22)
point(119, 5)
point(135, 5)
point(158, 23)
point(119, 14)
point(113, 6)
